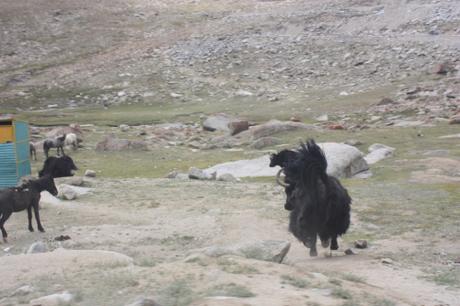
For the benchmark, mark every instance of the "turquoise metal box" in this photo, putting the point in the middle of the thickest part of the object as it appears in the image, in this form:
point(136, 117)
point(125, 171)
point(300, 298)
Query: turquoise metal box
point(14, 151)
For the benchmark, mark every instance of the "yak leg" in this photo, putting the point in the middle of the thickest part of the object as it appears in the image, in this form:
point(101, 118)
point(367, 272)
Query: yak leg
point(37, 218)
point(334, 244)
point(5, 216)
point(313, 251)
point(29, 216)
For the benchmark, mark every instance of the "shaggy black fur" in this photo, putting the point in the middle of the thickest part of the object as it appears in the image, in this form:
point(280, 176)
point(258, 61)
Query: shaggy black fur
point(24, 197)
point(282, 159)
point(58, 166)
point(321, 205)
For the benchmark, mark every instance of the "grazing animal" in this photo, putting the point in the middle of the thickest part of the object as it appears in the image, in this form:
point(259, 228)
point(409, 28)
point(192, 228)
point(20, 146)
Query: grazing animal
point(282, 159)
point(32, 151)
point(57, 143)
point(71, 139)
point(321, 205)
point(24, 197)
point(58, 166)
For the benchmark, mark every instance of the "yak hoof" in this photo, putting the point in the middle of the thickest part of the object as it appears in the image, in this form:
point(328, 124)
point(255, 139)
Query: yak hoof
point(313, 253)
point(325, 243)
point(41, 230)
point(334, 245)
point(5, 240)
point(31, 229)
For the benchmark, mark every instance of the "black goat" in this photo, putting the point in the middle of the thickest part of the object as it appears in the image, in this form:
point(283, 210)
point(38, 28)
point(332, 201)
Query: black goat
point(58, 166)
point(57, 143)
point(24, 197)
point(282, 159)
point(321, 205)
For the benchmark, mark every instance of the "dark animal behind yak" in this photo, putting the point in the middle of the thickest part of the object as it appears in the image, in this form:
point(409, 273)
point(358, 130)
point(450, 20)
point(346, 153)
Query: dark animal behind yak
point(24, 197)
point(58, 166)
point(32, 151)
point(282, 159)
point(321, 205)
point(57, 143)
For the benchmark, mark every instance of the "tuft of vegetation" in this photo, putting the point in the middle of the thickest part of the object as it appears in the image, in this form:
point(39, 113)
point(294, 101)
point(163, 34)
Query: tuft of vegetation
point(341, 293)
point(294, 281)
point(178, 293)
point(353, 278)
point(230, 289)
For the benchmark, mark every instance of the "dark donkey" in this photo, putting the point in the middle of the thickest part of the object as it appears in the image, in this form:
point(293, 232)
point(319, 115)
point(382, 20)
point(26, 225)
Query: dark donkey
point(57, 143)
point(25, 197)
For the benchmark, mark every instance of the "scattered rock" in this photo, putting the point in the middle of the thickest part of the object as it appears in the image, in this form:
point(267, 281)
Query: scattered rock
point(264, 142)
point(37, 247)
point(198, 174)
point(455, 119)
point(378, 152)
point(218, 251)
point(387, 261)
point(226, 177)
point(275, 126)
point(172, 174)
point(237, 127)
point(336, 126)
point(73, 181)
point(112, 143)
point(322, 118)
point(349, 252)
point(124, 127)
point(386, 101)
point(66, 192)
point(353, 142)
point(360, 244)
point(295, 119)
point(243, 93)
point(142, 301)
point(450, 136)
point(24, 290)
point(62, 238)
point(57, 299)
point(221, 122)
point(444, 68)
point(90, 173)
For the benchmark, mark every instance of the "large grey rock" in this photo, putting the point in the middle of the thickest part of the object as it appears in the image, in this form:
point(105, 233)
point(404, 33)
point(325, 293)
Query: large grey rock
point(90, 173)
point(219, 122)
point(67, 192)
point(343, 161)
point(275, 126)
point(57, 299)
point(267, 250)
point(378, 152)
point(265, 142)
point(37, 247)
point(142, 301)
point(112, 143)
point(72, 180)
point(198, 174)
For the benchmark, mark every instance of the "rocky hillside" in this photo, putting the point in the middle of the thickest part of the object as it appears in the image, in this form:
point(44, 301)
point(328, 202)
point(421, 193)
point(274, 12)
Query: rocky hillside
point(224, 52)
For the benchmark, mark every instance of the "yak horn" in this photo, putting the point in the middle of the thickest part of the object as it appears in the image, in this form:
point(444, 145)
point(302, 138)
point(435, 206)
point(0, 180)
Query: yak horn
point(278, 179)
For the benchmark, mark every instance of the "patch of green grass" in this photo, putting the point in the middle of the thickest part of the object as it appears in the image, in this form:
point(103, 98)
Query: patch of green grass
point(146, 261)
point(230, 289)
point(294, 281)
point(178, 293)
point(341, 293)
point(381, 302)
point(336, 282)
point(234, 267)
point(353, 278)
point(447, 277)
point(350, 303)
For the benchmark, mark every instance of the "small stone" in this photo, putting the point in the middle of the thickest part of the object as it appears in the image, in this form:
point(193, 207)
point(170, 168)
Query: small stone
point(322, 118)
point(37, 247)
point(387, 261)
point(227, 177)
point(62, 238)
point(237, 127)
point(386, 101)
point(142, 301)
point(90, 173)
point(295, 119)
point(455, 119)
point(349, 252)
point(24, 290)
point(172, 174)
point(361, 244)
point(198, 174)
point(66, 192)
point(353, 142)
point(336, 127)
point(124, 127)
